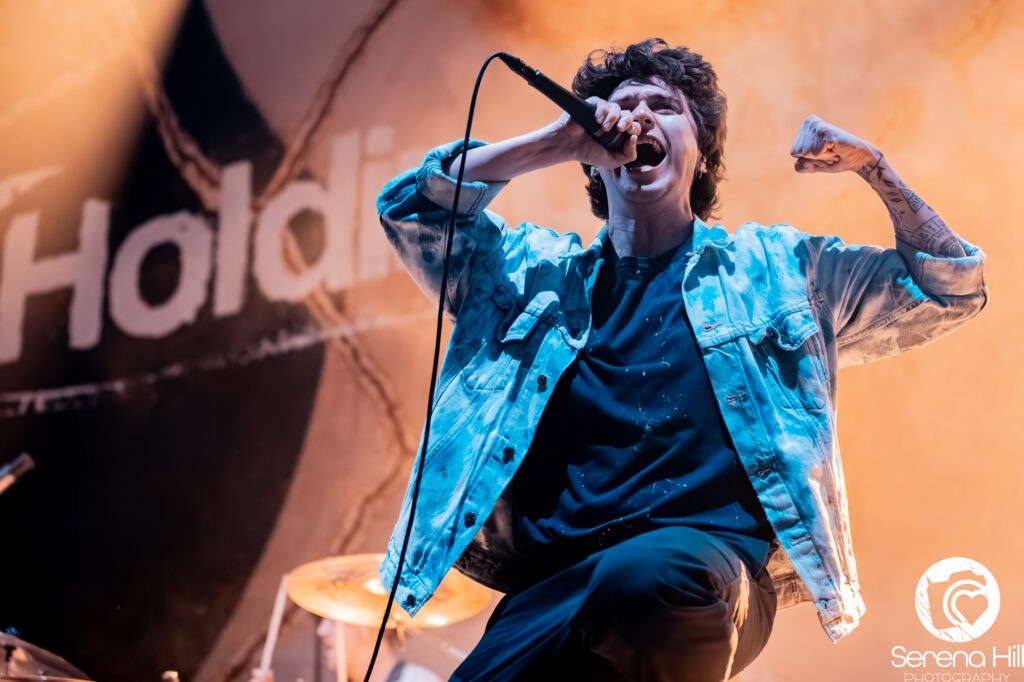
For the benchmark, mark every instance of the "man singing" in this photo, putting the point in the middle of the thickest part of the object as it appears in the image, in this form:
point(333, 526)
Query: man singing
point(635, 440)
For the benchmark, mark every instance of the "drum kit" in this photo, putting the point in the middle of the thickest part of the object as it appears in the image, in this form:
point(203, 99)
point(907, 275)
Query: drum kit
point(344, 590)
point(19, 660)
point(22, 661)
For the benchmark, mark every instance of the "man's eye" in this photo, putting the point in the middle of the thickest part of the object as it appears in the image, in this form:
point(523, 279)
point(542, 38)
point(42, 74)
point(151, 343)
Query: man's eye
point(666, 106)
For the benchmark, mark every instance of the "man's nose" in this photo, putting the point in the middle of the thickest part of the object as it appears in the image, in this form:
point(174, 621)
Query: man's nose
point(643, 115)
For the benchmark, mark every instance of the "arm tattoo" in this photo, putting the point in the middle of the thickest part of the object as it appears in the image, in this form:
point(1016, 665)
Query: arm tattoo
point(915, 202)
point(871, 172)
point(916, 223)
point(934, 236)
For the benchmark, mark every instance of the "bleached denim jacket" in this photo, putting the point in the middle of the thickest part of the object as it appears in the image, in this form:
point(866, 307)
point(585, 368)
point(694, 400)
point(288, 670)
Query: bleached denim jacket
point(776, 313)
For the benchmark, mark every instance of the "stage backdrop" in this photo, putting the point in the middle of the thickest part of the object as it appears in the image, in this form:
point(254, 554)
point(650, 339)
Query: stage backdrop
point(219, 367)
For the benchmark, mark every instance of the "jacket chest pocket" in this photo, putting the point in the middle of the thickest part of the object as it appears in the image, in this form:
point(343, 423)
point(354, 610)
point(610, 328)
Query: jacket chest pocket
point(791, 358)
point(491, 358)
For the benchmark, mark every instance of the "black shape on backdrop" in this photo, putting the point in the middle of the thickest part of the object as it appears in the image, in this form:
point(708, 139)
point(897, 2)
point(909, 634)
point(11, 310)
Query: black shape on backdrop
point(126, 550)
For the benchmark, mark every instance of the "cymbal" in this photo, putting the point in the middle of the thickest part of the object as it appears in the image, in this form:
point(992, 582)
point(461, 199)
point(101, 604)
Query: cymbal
point(347, 589)
point(30, 662)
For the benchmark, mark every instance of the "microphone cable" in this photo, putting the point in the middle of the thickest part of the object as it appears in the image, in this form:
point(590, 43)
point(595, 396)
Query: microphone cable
point(449, 238)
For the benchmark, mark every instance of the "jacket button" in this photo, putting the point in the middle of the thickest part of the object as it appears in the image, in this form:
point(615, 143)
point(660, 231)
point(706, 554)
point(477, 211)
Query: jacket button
point(469, 519)
point(410, 600)
point(542, 383)
point(507, 454)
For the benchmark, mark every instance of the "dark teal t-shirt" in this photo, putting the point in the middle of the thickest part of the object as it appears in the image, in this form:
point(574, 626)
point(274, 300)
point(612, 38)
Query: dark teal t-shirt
point(632, 439)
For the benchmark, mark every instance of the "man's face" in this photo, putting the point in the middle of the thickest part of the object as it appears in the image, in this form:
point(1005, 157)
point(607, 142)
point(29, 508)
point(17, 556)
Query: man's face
point(667, 151)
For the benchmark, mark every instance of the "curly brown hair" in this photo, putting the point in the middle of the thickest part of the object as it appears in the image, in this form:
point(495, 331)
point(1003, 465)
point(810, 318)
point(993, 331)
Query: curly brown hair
point(603, 71)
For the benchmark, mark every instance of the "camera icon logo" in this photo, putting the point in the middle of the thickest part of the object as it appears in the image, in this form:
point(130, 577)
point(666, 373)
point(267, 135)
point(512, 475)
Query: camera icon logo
point(957, 599)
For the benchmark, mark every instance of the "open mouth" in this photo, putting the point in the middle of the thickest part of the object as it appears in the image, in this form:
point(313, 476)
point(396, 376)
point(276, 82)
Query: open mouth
point(649, 152)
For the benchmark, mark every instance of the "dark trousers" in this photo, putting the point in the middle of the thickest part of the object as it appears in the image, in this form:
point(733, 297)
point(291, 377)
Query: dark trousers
point(672, 604)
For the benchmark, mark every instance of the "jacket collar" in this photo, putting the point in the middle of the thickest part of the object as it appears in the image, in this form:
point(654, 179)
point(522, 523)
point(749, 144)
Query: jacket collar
point(709, 235)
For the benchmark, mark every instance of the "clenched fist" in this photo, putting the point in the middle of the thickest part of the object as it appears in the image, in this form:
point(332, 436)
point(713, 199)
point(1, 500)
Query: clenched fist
point(821, 147)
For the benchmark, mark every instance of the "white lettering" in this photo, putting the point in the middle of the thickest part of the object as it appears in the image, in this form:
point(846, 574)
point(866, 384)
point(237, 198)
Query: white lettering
point(276, 279)
point(133, 314)
point(909, 658)
point(234, 219)
point(353, 249)
point(336, 205)
point(345, 157)
point(83, 271)
point(1014, 656)
point(376, 258)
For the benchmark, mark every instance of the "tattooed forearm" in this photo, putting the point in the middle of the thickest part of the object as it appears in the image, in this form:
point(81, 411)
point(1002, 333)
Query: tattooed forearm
point(915, 202)
point(916, 222)
point(871, 172)
point(935, 237)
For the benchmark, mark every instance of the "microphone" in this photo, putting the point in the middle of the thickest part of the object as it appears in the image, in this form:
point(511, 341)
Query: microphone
point(580, 110)
point(13, 470)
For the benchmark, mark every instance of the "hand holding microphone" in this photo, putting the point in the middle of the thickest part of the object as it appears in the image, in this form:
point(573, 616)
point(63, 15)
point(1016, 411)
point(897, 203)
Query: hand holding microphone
point(604, 122)
point(580, 110)
point(613, 129)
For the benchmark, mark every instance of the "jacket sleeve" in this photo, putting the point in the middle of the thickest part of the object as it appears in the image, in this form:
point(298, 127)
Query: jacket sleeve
point(886, 301)
point(415, 210)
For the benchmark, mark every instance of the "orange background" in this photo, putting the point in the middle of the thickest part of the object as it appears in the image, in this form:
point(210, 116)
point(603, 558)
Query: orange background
point(930, 439)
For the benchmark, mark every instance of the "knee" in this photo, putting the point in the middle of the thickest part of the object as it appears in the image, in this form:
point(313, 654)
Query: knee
point(638, 584)
point(634, 617)
point(621, 581)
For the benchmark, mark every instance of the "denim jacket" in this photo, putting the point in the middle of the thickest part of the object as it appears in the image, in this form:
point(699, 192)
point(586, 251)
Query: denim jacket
point(776, 313)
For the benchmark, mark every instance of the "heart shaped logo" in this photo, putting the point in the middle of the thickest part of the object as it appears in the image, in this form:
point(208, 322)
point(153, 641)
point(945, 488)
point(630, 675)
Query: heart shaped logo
point(957, 599)
point(967, 606)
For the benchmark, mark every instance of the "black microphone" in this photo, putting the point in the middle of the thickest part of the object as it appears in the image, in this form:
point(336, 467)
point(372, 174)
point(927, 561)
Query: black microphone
point(13, 470)
point(580, 110)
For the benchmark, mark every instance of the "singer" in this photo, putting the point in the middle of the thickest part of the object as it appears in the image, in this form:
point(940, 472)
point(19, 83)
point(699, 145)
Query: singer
point(635, 440)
